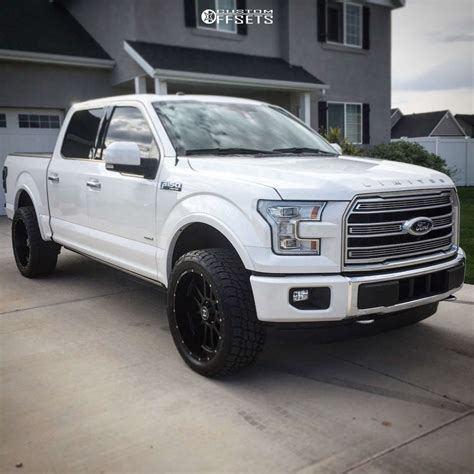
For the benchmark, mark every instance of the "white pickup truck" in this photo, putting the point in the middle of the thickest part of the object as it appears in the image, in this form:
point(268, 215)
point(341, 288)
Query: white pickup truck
point(243, 213)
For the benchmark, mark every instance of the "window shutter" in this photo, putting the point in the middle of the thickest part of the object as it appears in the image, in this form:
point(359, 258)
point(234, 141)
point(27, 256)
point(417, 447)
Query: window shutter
point(241, 29)
point(322, 9)
point(323, 116)
point(190, 13)
point(365, 124)
point(366, 28)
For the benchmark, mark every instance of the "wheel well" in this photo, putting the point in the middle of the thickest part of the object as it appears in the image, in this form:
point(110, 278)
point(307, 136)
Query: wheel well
point(198, 236)
point(24, 200)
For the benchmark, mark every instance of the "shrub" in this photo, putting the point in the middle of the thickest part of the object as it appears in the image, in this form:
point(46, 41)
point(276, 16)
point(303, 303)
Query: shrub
point(333, 135)
point(408, 152)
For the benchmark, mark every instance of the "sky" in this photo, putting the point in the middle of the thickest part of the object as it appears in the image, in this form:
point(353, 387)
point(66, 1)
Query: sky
point(433, 56)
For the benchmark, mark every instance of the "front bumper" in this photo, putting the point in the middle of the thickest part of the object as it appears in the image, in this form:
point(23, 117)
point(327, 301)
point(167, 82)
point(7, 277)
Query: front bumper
point(355, 296)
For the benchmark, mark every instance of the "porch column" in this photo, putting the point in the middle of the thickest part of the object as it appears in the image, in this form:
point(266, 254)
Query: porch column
point(305, 107)
point(161, 87)
point(140, 85)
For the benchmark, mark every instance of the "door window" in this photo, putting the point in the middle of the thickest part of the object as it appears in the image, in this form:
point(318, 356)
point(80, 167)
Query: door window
point(128, 124)
point(80, 138)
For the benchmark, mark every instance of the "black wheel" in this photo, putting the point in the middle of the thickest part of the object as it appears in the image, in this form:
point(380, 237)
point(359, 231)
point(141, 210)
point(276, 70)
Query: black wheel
point(211, 312)
point(33, 256)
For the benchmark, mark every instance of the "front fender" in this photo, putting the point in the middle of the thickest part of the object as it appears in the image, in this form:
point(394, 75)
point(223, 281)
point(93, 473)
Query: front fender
point(242, 227)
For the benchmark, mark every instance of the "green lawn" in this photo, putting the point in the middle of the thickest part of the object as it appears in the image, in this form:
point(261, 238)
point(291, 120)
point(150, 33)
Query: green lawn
point(466, 196)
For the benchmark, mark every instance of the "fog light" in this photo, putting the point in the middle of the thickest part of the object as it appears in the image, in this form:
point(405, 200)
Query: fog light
point(300, 295)
point(318, 298)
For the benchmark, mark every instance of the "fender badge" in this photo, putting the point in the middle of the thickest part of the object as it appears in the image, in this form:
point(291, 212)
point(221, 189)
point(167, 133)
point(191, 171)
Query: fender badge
point(171, 186)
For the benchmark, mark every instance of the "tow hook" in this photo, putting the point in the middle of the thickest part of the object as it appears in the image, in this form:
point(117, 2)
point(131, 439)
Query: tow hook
point(451, 298)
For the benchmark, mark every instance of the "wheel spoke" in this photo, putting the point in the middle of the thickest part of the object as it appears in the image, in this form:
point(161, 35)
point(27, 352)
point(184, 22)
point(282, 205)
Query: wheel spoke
point(197, 315)
point(211, 337)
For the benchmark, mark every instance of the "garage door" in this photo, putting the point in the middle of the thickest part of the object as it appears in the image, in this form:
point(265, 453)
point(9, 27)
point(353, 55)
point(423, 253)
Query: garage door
point(27, 130)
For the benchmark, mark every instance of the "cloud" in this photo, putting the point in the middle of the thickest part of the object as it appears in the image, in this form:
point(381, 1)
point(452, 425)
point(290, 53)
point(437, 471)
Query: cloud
point(456, 38)
point(448, 75)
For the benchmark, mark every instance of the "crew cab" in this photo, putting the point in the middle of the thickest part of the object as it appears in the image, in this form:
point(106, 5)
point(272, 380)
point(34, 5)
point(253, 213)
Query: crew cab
point(246, 215)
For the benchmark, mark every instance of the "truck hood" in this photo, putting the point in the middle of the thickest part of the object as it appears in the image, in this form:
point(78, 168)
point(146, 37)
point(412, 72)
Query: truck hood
point(325, 178)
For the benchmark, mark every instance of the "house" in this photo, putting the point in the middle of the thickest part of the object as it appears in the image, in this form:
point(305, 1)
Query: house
point(327, 61)
point(467, 123)
point(429, 124)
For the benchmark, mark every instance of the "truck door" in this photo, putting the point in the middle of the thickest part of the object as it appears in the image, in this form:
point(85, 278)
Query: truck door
point(122, 201)
point(67, 177)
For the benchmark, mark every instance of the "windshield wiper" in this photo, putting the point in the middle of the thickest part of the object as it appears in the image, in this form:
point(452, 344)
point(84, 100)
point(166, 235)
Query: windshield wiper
point(226, 151)
point(301, 150)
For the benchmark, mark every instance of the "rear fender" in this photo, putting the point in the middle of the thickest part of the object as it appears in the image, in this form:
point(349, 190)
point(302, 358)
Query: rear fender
point(26, 183)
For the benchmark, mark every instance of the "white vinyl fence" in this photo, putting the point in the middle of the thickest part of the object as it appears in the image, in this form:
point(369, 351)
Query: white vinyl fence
point(457, 152)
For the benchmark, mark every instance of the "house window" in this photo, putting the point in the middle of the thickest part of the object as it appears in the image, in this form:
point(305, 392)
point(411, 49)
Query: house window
point(38, 121)
point(226, 23)
point(3, 121)
point(347, 118)
point(344, 23)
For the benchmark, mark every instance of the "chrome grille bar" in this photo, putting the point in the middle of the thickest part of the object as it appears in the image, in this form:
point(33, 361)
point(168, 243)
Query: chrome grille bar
point(404, 203)
point(392, 228)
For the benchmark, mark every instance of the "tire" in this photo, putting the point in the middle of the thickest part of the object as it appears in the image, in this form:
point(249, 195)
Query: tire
point(34, 257)
point(211, 313)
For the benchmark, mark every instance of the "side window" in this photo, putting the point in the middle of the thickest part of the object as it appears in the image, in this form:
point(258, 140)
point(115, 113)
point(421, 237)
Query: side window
point(80, 138)
point(128, 124)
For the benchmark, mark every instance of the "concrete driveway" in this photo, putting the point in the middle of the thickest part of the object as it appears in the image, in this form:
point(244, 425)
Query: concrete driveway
point(91, 381)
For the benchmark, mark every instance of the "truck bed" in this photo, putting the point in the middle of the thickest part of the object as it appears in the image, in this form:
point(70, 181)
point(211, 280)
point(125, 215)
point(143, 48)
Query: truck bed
point(27, 171)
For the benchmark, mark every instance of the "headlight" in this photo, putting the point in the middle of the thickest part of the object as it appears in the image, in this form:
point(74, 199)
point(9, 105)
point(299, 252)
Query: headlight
point(284, 218)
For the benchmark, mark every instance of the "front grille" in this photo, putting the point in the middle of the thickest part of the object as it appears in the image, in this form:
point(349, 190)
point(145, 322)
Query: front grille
point(375, 232)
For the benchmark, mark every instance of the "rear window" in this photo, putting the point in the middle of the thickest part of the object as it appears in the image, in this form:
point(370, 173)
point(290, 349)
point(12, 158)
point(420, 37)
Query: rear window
point(80, 138)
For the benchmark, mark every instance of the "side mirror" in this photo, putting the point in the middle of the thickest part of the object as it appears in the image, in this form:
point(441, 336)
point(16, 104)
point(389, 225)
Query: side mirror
point(122, 153)
point(337, 147)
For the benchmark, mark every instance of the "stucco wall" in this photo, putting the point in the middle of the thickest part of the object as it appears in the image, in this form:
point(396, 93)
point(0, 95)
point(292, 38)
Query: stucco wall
point(354, 75)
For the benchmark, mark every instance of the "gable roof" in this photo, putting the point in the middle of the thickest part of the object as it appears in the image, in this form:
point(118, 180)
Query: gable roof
point(155, 56)
point(417, 125)
point(468, 118)
point(44, 27)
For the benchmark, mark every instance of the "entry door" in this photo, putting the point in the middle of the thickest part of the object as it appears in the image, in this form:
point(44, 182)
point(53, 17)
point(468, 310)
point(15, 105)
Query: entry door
point(122, 205)
point(67, 180)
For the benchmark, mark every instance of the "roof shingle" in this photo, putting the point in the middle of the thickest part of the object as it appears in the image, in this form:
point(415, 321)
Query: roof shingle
point(178, 58)
point(41, 26)
point(417, 125)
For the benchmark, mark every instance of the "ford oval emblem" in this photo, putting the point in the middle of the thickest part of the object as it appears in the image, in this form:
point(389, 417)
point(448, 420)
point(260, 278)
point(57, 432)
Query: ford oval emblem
point(418, 226)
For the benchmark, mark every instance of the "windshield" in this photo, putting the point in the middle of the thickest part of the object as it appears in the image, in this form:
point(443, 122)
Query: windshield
point(220, 128)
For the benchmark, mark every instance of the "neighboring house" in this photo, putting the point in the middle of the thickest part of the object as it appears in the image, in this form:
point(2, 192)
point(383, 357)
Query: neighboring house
point(428, 124)
point(439, 133)
point(467, 123)
point(326, 61)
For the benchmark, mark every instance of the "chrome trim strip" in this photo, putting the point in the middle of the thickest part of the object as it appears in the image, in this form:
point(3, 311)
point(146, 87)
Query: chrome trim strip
point(378, 211)
point(355, 282)
point(399, 245)
point(402, 263)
